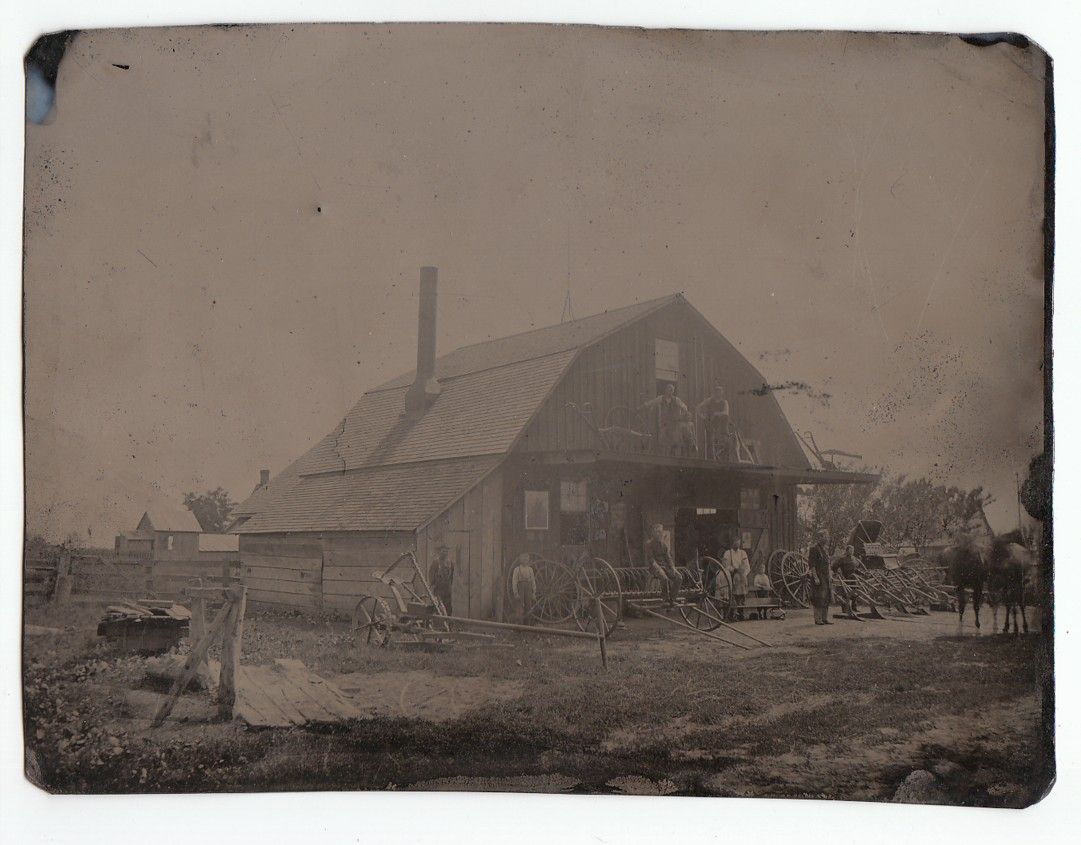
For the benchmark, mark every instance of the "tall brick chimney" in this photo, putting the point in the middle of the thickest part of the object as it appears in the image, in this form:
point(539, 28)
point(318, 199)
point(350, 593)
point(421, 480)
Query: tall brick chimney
point(425, 387)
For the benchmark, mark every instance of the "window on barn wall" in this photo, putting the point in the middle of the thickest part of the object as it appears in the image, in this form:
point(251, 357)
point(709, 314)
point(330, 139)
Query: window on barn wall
point(169, 542)
point(536, 510)
point(750, 498)
point(573, 513)
point(666, 363)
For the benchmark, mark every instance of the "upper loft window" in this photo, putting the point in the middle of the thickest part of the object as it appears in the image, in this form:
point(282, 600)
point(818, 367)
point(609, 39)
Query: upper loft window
point(750, 498)
point(169, 542)
point(666, 360)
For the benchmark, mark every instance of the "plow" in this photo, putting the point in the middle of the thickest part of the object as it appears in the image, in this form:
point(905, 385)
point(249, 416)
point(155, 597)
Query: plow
point(912, 586)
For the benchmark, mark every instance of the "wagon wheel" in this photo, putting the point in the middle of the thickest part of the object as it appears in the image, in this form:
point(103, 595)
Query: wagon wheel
point(557, 592)
point(597, 579)
point(794, 584)
point(372, 621)
point(715, 602)
point(773, 570)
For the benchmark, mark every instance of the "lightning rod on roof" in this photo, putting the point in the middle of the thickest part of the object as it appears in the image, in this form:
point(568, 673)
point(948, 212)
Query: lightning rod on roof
point(568, 308)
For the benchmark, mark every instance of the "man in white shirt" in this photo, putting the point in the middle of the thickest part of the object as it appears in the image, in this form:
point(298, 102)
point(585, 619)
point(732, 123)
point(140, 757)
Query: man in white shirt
point(735, 560)
point(523, 586)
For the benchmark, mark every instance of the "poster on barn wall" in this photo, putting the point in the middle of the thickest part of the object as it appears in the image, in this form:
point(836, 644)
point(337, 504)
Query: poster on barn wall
point(839, 227)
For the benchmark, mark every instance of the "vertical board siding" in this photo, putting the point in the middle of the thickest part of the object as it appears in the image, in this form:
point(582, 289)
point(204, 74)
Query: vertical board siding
point(619, 372)
point(492, 557)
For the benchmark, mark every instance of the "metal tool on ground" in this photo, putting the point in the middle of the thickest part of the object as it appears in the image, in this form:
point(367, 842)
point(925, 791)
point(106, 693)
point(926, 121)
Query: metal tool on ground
point(649, 612)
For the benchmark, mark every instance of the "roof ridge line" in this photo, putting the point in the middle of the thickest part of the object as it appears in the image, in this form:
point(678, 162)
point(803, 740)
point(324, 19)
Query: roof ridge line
point(449, 379)
point(571, 322)
point(356, 470)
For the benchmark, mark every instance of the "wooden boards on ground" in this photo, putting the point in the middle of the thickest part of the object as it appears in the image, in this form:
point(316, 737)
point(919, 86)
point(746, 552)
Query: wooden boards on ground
point(285, 693)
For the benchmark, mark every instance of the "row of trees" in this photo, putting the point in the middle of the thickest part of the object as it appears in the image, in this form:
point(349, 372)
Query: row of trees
point(913, 511)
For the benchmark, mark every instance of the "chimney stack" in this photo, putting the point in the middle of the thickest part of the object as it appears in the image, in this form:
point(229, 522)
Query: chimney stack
point(425, 387)
point(264, 477)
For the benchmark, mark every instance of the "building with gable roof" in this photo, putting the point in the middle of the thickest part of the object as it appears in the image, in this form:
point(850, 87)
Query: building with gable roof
point(544, 442)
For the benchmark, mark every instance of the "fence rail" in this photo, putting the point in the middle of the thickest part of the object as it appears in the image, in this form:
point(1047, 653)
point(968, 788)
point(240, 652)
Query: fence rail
point(96, 577)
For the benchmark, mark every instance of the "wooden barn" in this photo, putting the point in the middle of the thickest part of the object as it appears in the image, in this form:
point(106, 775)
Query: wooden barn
point(554, 441)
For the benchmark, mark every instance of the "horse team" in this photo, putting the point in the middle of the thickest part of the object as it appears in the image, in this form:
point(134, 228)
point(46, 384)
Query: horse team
point(998, 572)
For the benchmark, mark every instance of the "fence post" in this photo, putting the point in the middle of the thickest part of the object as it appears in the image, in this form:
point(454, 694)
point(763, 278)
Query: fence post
point(230, 652)
point(197, 628)
point(62, 588)
point(150, 586)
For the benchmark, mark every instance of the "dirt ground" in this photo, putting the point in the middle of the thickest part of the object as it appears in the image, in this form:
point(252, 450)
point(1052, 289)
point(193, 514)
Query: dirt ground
point(847, 711)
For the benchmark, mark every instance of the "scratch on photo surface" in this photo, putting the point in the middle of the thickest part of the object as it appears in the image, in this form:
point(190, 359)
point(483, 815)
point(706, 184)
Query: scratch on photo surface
point(949, 247)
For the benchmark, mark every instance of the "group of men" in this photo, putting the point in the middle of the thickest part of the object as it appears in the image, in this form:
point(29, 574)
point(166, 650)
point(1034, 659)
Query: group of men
point(676, 425)
point(523, 580)
point(734, 561)
point(822, 570)
point(523, 583)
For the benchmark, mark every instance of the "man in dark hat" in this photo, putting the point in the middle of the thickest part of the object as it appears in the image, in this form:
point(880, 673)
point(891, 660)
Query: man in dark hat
point(441, 576)
point(820, 578)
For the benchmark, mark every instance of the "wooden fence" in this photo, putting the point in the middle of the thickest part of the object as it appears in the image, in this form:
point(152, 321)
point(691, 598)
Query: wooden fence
point(94, 578)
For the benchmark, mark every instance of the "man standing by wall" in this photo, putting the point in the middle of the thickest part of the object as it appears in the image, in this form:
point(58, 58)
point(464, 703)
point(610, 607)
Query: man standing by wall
point(739, 567)
point(441, 577)
point(820, 578)
point(523, 586)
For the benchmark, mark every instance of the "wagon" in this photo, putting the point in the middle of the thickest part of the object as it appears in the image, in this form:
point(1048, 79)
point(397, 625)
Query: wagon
point(594, 595)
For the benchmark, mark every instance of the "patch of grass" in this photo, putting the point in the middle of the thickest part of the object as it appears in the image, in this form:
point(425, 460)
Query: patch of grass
point(837, 695)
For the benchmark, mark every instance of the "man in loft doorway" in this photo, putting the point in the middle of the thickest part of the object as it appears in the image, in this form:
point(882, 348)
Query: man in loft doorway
point(675, 427)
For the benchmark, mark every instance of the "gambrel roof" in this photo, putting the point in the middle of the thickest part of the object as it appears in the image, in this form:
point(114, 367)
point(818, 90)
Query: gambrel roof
point(382, 470)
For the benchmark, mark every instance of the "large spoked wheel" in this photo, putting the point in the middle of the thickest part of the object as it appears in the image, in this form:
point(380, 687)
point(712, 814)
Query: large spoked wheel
point(716, 601)
point(557, 592)
point(598, 580)
point(372, 622)
point(795, 584)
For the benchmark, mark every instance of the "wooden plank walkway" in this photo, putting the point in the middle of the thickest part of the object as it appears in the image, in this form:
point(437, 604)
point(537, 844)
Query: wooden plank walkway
point(285, 693)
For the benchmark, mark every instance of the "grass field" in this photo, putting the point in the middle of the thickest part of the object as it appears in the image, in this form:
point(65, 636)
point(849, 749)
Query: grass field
point(841, 712)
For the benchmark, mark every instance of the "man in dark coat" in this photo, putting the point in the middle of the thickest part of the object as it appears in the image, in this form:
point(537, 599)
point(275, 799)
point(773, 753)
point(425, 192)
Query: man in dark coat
point(820, 579)
point(846, 567)
point(441, 577)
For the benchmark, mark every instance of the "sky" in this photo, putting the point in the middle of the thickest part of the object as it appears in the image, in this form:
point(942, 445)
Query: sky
point(223, 238)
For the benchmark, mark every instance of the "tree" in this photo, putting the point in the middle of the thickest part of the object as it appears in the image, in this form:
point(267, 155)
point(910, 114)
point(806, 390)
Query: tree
point(212, 509)
point(836, 508)
point(1036, 488)
point(913, 512)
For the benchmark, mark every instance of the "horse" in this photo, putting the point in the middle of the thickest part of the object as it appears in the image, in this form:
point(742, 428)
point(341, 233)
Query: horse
point(968, 570)
point(1009, 563)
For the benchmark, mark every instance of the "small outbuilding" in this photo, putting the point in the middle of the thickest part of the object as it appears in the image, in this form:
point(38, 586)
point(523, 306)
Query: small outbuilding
point(165, 534)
